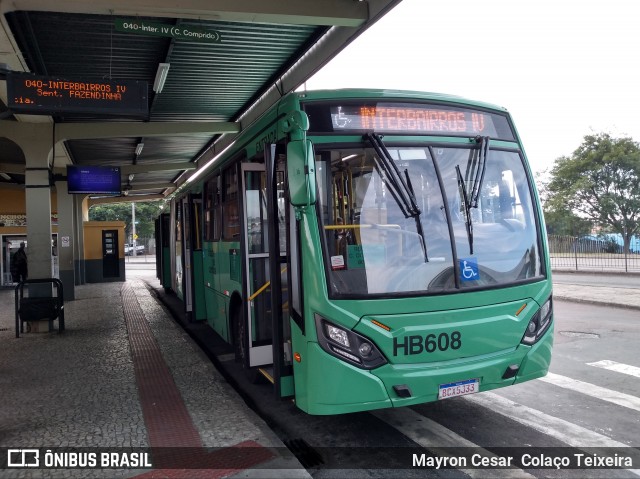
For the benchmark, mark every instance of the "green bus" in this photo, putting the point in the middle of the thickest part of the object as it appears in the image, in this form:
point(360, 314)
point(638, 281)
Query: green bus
point(365, 249)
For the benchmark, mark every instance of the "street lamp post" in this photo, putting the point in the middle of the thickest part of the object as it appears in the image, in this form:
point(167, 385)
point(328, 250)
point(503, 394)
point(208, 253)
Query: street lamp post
point(133, 228)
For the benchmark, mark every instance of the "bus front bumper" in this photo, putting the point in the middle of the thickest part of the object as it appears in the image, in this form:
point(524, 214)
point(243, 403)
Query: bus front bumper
point(344, 388)
point(423, 383)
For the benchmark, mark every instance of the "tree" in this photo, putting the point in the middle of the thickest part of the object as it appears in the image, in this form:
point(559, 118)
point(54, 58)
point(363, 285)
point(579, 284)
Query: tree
point(146, 213)
point(111, 212)
point(600, 181)
point(566, 223)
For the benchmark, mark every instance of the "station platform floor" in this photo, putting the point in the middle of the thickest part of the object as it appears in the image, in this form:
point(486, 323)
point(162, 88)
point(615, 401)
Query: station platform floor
point(124, 377)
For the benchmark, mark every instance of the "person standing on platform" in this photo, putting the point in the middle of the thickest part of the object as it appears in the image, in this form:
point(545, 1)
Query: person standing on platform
point(19, 269)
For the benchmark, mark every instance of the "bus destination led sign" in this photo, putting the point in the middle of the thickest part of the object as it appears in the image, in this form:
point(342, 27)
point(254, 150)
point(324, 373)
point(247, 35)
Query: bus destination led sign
point(178, 32)
point(416, 118)
point(40, 95)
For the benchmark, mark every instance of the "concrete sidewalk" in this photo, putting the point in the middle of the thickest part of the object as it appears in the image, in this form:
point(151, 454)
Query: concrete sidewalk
point(628, 297)
point(124, 375)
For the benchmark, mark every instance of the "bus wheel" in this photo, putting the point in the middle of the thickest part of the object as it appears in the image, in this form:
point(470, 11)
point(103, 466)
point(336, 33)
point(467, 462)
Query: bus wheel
point(240, 348)
point(239, 332)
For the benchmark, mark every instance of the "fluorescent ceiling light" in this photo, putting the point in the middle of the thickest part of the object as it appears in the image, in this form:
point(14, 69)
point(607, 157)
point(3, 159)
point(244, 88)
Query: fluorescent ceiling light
point(5, 176)
point(161, 77)
point(346, 158)
point(204, 167)
point(139, 148)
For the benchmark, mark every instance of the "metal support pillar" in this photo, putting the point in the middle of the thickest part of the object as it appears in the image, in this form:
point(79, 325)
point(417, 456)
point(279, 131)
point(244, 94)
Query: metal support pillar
point(38, 209)
point(66, 240)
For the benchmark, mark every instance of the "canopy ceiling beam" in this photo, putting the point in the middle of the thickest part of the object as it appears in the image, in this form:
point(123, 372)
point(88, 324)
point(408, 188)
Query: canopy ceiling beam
point(343, 13)
point(93, 130)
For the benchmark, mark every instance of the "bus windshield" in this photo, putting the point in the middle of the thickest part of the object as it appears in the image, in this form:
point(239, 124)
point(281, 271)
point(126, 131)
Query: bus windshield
point(373, 247)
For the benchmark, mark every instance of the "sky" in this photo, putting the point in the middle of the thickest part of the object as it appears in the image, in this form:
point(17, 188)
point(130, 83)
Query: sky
point(563, 69)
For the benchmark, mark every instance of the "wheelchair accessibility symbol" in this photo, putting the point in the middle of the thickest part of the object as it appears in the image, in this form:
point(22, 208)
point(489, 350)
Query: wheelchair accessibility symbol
point(469, 269)
point(341, 120)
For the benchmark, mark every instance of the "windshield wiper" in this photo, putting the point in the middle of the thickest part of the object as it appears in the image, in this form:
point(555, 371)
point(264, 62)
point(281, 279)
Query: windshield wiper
point(476, 168)
point(483, 151)
point(401, 190)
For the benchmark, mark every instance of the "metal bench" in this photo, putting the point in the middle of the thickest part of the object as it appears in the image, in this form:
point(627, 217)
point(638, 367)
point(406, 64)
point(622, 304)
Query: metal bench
point(39, 308)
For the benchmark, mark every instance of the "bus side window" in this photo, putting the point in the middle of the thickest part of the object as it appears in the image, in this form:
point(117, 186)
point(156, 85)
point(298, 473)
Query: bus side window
point(231, 225)
point(217, 207)
point(212, 209)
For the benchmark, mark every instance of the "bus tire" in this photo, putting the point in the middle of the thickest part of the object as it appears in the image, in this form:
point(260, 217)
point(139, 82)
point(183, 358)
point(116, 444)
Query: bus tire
point(240, 342)
point(238, 331)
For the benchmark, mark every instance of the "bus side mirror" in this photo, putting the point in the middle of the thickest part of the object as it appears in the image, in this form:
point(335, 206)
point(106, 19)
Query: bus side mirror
point(301, 173)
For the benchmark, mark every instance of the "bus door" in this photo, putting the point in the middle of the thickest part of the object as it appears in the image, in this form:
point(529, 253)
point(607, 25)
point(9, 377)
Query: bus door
point(258, 264)
point(163, 255)
point(187, 277)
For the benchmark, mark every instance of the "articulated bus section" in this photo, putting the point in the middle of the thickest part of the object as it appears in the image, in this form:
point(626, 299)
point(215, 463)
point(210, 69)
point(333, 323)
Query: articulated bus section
point(368, 249)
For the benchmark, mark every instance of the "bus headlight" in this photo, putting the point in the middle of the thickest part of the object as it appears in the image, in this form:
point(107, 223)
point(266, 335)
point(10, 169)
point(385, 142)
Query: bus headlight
point(338, 335)
point(539, 323)
point(365, 349)
point(347, 345)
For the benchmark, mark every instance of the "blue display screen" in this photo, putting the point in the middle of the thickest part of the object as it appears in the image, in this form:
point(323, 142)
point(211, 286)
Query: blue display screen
point(93, 180)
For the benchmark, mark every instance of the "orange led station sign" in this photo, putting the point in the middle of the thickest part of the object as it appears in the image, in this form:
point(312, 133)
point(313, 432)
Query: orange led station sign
point(40, 95)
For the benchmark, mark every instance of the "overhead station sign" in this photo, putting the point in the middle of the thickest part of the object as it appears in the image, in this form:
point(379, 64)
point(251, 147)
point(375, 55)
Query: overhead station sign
point(179, 32)
point(40, 95)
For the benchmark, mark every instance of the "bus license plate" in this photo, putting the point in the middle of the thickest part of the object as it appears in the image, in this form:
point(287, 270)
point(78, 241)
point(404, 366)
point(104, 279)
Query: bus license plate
point(459, 388)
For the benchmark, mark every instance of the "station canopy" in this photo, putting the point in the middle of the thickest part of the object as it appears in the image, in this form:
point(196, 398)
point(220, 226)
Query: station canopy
point(224, 63)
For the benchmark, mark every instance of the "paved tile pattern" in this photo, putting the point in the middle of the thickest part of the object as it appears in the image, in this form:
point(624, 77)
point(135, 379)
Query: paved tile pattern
point(79, 389)
point(166, 417)
point(168, 422)
point(75, 389)
point(214, 407)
